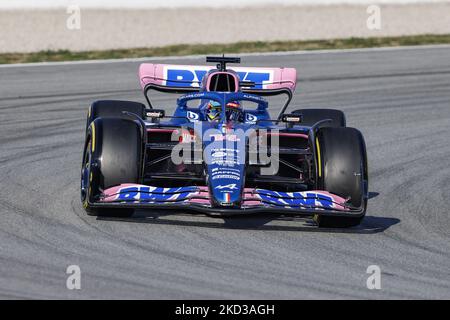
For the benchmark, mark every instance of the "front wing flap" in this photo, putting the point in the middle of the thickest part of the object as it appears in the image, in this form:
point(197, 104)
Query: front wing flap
point(197, 198)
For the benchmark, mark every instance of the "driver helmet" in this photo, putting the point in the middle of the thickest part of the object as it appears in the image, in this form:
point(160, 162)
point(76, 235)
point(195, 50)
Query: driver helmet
point(213, 110)
point(233, 111)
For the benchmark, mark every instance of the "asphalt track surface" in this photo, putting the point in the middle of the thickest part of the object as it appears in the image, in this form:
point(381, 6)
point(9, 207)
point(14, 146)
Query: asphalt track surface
point(399, 99)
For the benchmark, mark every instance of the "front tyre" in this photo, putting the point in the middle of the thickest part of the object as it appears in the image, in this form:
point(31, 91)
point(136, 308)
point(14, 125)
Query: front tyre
point(112, 156)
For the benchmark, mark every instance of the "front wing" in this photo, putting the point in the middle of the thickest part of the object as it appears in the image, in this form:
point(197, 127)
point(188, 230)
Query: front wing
point(198, 199)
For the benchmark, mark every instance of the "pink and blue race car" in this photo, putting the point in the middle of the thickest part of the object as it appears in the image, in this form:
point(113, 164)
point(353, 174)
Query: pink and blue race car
point(221, 152)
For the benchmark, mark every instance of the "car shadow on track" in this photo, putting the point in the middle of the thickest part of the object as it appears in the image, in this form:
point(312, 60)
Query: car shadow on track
point(370, 224)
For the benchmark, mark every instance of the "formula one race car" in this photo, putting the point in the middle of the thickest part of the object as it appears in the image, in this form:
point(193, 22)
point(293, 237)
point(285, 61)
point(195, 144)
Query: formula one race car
point(221, 153)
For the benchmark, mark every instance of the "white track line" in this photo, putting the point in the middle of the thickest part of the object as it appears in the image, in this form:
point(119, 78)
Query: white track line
point(199, 56)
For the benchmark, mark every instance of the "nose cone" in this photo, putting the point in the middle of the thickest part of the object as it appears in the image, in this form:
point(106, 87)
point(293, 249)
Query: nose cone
point(225, 163)
point(225, 186)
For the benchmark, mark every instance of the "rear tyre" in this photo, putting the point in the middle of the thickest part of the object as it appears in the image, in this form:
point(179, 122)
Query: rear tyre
point(342, 171)
point(112, 155)
point(312, 116)
point(115, 109)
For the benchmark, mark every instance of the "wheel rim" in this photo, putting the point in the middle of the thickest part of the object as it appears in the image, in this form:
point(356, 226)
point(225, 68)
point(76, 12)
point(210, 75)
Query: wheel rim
point(85, 172)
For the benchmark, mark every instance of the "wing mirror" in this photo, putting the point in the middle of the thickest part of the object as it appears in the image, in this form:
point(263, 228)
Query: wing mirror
point(155, 114)
point(292, 119)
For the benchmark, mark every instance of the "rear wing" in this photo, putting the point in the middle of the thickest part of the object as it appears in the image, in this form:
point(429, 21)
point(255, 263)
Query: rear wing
point(188, 78)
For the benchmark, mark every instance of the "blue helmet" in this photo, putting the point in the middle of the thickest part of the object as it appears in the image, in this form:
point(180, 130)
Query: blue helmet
point(233, 112)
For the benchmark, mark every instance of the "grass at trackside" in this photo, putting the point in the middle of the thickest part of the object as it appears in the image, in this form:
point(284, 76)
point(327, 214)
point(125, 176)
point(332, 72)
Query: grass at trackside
point(239, 47)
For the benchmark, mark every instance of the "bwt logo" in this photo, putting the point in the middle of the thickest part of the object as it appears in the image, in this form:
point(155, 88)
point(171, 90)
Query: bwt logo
point(189, 77)
point(298, 199)
point(151, 194)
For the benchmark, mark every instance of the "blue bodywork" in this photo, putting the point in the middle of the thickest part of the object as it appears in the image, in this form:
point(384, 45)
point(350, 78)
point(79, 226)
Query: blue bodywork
point(224, 153)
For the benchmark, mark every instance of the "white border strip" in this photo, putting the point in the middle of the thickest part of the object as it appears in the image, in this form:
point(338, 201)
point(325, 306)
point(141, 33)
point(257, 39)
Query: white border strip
point(199, 56)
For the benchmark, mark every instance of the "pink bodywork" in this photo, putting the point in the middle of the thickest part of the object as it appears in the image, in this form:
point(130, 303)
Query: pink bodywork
point(202, 196)
point(280, 78)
